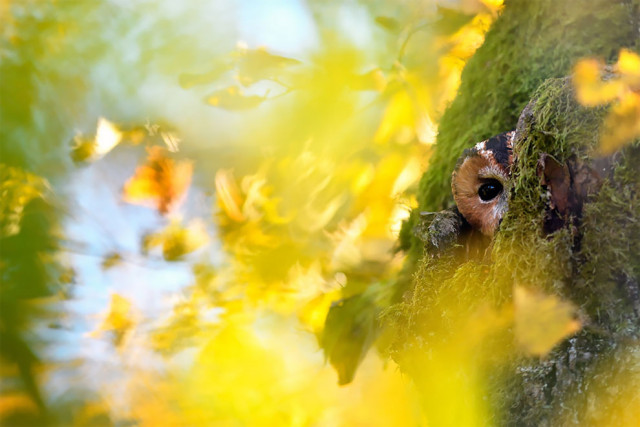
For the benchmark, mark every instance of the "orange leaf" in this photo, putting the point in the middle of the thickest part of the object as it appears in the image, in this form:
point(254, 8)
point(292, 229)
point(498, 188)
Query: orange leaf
point(162, 183)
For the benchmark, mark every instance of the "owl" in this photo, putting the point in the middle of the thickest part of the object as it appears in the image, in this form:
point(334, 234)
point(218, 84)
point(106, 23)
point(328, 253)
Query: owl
point(480, 182)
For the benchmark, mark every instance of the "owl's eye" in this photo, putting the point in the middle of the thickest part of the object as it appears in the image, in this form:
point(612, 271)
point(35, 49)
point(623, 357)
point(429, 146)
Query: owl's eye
point(489, 190)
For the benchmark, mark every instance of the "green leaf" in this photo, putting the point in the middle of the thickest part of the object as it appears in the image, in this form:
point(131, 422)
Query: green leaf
point(258, 64)
point(349, 332)
point(82, 149)
point(351, 328)
point(388, 23)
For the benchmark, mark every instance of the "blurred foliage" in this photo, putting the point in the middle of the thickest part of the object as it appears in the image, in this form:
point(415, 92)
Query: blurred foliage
point(317, 169)
point(622, 89)
point(277, 181)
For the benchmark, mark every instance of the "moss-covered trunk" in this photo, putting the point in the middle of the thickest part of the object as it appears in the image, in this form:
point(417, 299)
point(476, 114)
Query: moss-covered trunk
point(588, 254)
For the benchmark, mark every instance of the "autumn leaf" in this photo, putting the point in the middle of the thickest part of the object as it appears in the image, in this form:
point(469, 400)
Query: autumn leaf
point(621, 89)
point(177, 241)
point(162, 183)
point(591, 89)
point(398, 120)
point(542, 321)
point(629, 66)
point(180, 330)
point(118, 320)
point(228, 195)
point(622, 124)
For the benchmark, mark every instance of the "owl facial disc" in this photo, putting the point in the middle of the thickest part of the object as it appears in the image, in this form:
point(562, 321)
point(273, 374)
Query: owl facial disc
point(480, 182)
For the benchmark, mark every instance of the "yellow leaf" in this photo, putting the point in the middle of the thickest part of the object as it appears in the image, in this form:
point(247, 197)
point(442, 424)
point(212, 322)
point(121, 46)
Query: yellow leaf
point(186, 324)
point(398, 119)
point(314, 313)
point(228, 195)
point(119, 319)
point(313, 219)
point(629, 63)
point(587, 71)
point(346, 242)
point(162, 183)
point(177, 241)
point(91, 413)
point(622, 124)
point(590, 89)
point(407, 177)
point(542, 321)
point(136, 135)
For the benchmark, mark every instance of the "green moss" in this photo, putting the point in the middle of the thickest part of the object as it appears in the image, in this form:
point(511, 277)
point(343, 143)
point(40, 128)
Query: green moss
point(609, 271)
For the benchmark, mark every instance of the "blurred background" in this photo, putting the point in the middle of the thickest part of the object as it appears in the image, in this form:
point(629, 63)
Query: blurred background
point(187, 188)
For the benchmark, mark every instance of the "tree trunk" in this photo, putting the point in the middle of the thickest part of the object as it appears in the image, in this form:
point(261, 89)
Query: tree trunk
point(578, 241)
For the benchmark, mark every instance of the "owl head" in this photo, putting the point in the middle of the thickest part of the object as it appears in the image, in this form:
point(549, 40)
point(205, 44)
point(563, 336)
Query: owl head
point(480, 182)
